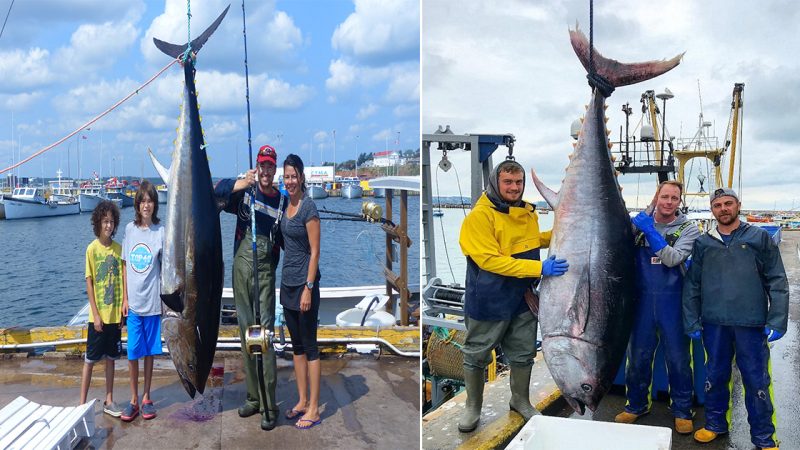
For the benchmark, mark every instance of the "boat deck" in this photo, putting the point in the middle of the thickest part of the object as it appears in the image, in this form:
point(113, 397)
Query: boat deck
point(365, 402)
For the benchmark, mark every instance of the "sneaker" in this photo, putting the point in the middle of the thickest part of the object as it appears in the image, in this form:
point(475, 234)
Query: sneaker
point(112, 409)
point(148, 410)
point(130, 413)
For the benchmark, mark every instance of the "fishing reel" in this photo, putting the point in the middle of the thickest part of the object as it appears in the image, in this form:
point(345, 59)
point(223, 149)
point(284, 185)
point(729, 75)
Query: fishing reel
point(371, 211)
point(257, 340)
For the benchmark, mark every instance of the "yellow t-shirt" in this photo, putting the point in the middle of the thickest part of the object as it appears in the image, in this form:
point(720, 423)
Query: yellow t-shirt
point(104, 267)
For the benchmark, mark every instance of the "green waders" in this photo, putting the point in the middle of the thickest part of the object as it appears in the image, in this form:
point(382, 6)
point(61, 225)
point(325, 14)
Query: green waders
point(242, 293)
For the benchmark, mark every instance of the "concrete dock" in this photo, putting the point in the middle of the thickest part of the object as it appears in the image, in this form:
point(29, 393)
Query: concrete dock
point(498, 425)
point(365, 403)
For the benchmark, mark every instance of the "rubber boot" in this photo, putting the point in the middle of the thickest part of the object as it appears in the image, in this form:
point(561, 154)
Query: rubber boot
point(268, 420)
point(520, 392)
point(473, 381)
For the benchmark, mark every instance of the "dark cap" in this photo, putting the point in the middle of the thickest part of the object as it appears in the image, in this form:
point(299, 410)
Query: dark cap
point(723, 192)
point(267, 153)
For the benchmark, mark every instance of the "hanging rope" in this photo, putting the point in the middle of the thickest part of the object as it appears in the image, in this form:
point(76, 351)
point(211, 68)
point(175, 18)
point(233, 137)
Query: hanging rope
point(89, 123)
point(188, 30)
point(596, 81)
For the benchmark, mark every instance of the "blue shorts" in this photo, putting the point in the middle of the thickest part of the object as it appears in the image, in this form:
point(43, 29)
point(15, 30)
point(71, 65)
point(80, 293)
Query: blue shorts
point(144, 335)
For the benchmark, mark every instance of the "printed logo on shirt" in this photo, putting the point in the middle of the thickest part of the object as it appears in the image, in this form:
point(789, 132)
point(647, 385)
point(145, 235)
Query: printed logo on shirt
point(655, 260)
point(141, 258)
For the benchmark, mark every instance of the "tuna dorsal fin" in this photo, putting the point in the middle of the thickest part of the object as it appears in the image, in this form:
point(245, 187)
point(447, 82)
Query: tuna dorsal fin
point(578, 312)
point(175, 51)
point(549, 196)
point(163, 172)
point(617, 73)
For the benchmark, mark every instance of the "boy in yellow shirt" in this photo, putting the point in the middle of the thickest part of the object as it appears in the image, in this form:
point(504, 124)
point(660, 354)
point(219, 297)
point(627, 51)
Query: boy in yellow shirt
point(104, 287)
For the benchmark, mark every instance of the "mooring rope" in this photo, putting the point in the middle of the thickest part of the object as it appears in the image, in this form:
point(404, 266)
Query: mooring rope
point(90, 122)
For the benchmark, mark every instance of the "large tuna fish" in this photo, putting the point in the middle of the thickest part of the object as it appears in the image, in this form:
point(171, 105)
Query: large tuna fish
point(585, 316)
point(191, 266)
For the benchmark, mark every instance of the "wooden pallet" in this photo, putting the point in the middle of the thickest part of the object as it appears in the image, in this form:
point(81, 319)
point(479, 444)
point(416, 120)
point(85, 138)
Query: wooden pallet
point(25, 424)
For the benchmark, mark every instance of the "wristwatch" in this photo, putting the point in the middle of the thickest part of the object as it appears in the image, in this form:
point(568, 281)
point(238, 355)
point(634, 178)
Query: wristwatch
point(310, 284)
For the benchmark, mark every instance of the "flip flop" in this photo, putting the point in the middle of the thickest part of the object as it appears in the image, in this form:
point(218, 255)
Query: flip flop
point(309, 421)
point(293, 413)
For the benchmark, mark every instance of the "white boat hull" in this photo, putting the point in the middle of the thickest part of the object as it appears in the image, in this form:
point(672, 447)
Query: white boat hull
point(379, 192)
point(89, 202)
point(352, 191)
point(317, 192)
point(17, 209)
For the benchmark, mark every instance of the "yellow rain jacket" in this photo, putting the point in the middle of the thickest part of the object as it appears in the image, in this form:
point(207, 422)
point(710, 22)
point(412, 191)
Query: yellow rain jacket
point(502, 250)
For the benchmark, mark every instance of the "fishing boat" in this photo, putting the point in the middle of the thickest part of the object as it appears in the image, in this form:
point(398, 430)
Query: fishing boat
point(31, 202)
point(351, 187)
point(316, 191)
point(115, 190)
point(163, 193)
point(91, 193)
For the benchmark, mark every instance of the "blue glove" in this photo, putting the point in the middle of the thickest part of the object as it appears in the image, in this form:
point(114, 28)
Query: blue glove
point(553, 267)
point(695, 335)
point(646, 224)
point(772, 335)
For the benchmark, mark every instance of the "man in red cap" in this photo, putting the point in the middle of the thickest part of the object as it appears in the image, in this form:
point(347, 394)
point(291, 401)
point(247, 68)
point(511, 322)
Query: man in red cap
point(269, 207)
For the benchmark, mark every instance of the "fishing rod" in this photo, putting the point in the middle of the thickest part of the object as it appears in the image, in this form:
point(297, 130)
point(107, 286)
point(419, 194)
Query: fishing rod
point(256, 340)
point(370, 212)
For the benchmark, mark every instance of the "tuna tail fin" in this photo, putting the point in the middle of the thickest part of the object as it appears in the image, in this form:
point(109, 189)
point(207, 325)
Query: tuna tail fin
point(163, 172)
point(175, 51)
point(549, 196)
point(617, 73)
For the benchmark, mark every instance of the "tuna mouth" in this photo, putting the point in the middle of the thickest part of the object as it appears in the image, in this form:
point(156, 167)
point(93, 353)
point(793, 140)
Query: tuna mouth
point(576, 404)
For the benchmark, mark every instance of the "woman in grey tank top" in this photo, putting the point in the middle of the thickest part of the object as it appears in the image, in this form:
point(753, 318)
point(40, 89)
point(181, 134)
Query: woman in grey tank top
point(300, 291)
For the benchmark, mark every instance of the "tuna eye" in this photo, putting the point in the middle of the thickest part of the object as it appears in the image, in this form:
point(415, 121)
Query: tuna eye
point(586, 387)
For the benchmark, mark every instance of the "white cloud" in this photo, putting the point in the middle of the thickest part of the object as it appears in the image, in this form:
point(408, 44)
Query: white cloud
point(22, 101)
point(404, 87)
point(320, 136)
point(406, 110)
point(24, 69)
point(277, 94)
point(343, 76)
point(367, 111)
point(96, 46)
point(380, 31)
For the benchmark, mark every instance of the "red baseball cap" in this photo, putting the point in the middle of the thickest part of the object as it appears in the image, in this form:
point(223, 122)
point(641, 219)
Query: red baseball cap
point(267, 153)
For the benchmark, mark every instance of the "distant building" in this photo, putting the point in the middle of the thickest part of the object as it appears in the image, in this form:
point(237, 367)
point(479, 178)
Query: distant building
point(314, 174)
point(387, 158)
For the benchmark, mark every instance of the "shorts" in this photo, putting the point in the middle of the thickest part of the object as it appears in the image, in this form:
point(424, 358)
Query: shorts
point(107, 344)
point(144, 335)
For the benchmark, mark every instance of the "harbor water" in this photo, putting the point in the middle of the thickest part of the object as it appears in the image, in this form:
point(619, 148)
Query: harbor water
point(42, 279)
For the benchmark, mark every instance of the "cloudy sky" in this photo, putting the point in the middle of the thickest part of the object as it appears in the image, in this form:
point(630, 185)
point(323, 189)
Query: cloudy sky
point(511, 69)
point(315, 67)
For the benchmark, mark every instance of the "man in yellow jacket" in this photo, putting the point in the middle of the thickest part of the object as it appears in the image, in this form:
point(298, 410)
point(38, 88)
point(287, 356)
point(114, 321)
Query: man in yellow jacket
point(501, 241)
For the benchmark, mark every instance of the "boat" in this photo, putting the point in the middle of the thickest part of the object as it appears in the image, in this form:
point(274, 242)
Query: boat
point(63, 189)
point(438, 213)
point(30, 202)
point(163, 193)
point(316, 191)
point(379, 192)
point(115, 190)
point(351, 187)
point(91, 194)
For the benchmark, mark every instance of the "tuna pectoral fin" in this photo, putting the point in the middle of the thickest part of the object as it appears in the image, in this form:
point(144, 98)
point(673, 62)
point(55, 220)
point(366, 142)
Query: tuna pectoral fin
point(549, 196)
point(177, 50)
point(578, 312)
point(163, 172)
point(173, 301)
point(617, 73)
